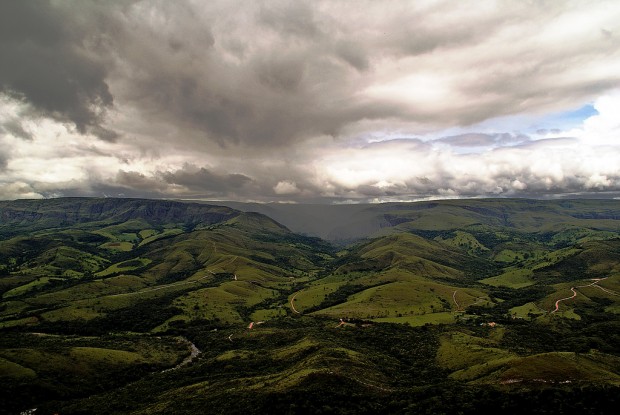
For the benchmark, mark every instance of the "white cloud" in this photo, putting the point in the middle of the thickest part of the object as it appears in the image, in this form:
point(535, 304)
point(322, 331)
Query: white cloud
point(286, 187)
point(604, 128)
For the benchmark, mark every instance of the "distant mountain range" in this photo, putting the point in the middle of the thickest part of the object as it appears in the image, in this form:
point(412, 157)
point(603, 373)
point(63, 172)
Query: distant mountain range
point(349, 222)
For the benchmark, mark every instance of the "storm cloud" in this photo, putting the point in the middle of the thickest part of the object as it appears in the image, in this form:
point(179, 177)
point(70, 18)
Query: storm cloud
point(13, 126)
point(307, 100)
point(50, 62)
point(3, 160)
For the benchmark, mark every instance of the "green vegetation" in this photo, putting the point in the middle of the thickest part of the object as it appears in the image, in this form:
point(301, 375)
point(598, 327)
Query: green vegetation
point(125, 266)
point(146, 307)
point(420, 320)
point(514, 278)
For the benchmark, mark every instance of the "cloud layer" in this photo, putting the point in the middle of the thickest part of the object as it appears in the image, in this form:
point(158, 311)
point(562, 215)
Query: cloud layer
point(308, 101)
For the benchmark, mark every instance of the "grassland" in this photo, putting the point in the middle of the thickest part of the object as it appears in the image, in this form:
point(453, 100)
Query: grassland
point(102, 299)
point(402, 298)
point(124, 267)
point(514, 278)
point(420, 319)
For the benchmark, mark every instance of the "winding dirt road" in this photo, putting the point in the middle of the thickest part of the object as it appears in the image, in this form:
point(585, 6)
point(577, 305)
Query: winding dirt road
point(557, 303)
point(292, 303)
point(607, 291)
point(458, 307)
point(574, 290)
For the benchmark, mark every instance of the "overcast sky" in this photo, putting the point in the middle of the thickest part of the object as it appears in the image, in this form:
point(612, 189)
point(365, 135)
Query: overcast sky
point(309, 101)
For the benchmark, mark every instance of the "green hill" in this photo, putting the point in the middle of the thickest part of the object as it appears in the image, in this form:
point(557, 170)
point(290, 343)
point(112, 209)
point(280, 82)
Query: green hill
point(568, 220)
point(145, 306)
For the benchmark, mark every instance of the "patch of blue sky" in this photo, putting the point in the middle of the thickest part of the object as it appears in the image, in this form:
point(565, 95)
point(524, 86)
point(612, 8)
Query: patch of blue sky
point(516, 124)
point(523, 123)
point(565, 120)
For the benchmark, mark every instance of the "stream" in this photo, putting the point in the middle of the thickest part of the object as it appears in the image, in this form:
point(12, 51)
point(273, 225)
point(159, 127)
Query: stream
point(193, 353)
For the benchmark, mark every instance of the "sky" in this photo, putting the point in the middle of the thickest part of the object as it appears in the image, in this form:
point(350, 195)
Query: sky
point(309, 101)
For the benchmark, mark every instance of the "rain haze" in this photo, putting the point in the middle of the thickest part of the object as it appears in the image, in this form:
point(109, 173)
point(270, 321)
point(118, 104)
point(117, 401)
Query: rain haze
point(309, 101)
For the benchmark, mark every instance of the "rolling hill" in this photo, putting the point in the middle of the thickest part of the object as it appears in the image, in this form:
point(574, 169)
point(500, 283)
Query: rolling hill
point(346, 223)
point(146, 306)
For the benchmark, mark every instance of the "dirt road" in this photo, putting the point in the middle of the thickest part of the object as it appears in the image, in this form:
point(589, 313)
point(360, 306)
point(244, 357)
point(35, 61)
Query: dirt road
point(292, 303)
point(458, 307)
point(574, 290)
point(557, 303)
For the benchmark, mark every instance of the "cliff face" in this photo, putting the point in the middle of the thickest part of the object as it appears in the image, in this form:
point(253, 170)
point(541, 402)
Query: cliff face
point(51, 213)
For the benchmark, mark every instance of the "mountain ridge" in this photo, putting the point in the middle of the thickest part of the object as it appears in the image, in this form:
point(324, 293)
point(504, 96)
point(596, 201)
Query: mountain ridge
point(50, 213)
point(347, 223)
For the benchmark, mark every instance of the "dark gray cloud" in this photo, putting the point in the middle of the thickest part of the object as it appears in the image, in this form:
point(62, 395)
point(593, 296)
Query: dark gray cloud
point(353, 53)
point(290, 19)
point(14, 126)
point(265, 74)
point(49, 63)
point(206, 181)
point(4, 160)
point(279, 95)
point(139, 181)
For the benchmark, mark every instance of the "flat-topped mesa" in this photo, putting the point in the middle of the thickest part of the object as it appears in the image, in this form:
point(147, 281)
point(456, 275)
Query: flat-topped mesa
point(54, 213)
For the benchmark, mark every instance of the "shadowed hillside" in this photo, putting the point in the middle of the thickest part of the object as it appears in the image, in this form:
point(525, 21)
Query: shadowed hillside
point(29, 215)
point(351, 222)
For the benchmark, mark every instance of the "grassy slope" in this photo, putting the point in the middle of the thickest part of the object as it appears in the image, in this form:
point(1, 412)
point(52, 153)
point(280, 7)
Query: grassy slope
point(452, 263)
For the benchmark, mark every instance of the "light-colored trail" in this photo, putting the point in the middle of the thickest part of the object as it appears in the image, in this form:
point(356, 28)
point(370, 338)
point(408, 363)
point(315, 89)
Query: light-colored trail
point(557, 303)
point(292, 303)
point(458, 307)
point(162, 287)
point(607, 291)
point(594, 283)
point(172, 285)
point(253, 324)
